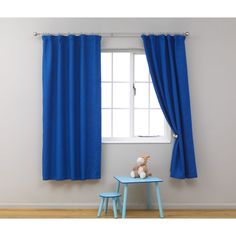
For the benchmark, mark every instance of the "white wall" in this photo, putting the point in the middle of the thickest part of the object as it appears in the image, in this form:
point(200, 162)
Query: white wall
point(211, 50)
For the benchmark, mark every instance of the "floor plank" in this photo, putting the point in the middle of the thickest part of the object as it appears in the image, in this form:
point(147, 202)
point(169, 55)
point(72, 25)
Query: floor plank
point(91, 213)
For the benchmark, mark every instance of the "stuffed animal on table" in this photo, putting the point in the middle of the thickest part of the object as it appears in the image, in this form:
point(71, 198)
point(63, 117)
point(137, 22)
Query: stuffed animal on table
point(141, 170)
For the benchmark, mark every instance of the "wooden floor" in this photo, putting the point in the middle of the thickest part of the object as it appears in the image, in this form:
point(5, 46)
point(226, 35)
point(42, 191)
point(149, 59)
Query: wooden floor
point(91, 213)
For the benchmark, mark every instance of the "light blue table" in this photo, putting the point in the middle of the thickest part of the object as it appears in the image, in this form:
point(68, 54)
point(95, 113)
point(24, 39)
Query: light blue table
point(126, 180)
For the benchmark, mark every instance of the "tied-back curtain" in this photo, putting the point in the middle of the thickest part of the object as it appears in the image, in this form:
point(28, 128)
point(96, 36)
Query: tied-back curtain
point(168, 68)
point(71, 107)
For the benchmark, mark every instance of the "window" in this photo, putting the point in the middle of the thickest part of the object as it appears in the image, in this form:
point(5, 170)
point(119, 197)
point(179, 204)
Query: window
point(130, 109)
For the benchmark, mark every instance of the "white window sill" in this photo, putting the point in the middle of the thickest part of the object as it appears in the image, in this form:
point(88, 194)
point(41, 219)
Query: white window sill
point(136, 140)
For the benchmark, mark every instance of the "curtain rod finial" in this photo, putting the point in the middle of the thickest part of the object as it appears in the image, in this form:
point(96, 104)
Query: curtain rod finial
point(35, 33)
point(186, 33)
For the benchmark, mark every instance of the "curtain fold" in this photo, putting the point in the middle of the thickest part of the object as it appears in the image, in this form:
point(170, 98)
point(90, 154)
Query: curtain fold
point(71, 107)
point(168, 68)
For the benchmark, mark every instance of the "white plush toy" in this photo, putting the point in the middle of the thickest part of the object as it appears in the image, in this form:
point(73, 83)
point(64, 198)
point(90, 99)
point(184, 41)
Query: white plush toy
point(141, 170)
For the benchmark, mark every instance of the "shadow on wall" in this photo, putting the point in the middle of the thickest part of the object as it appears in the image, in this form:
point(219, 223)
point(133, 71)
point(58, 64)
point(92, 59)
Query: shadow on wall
point(68, 185)
point(182, 184)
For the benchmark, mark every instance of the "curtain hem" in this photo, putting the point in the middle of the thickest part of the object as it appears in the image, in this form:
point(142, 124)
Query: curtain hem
point(77, 179)
point(193, 176)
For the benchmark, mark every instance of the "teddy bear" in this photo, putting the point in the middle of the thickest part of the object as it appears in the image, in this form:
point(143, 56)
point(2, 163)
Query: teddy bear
point(141, 170)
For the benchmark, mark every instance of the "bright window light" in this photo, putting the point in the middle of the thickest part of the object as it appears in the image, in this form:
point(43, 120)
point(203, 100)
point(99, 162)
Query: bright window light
point(130, 109)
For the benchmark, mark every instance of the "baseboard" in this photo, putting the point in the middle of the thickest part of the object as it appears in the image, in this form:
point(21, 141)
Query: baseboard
point(130, 206)
point(196, 206)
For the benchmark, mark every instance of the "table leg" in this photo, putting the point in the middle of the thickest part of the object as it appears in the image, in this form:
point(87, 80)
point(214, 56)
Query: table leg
point(119, 205)
point(117, 190)
point(125, 200)
point(159, 200)
point(149, 198)
point(118, 187)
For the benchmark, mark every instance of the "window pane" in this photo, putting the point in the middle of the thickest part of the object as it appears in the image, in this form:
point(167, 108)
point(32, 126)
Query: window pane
point(141, 122)
point(141, 97)
point(121, 67)
point(157, 122)
point(141, 71)
point(106, 95)
point(121, 95)
point(153, 98)
point(121, 123)
point(106, 66)
point(106, 123)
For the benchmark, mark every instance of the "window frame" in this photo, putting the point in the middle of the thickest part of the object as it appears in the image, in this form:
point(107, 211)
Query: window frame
point(145, 139)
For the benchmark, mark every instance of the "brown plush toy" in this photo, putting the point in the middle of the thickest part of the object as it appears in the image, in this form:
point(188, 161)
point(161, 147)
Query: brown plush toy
point(141, 170)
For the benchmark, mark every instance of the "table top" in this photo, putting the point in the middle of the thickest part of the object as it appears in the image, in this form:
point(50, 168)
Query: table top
point(130, 180)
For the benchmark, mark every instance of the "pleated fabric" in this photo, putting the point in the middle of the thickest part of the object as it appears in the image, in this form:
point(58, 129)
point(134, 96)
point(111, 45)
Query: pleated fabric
point(166, 58)
point(71, 107)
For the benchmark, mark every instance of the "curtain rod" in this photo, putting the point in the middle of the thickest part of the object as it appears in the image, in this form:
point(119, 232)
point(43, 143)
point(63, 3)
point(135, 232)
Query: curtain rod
point(109, 35)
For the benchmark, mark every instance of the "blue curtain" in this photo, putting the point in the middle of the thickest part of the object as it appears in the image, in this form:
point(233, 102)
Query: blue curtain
point(168, 68)
point(71, 107)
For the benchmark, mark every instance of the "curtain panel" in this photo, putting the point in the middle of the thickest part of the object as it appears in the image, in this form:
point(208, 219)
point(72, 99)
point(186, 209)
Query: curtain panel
point(168, 68)
point(71, 107)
